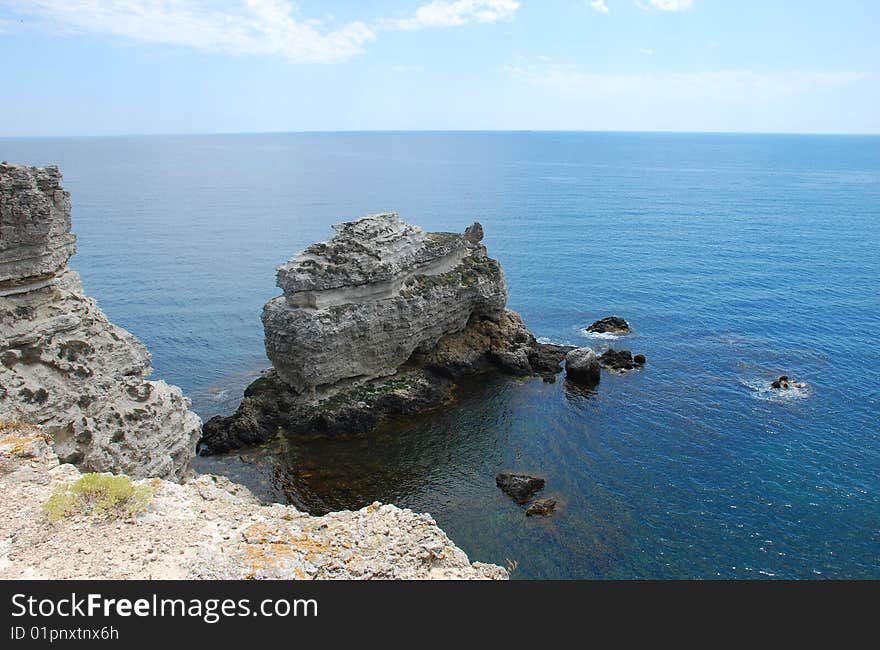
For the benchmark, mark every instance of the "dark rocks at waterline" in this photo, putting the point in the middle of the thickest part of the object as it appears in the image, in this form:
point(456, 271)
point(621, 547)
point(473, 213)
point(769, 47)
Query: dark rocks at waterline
point(519, 487)
point(582, 366)
point(610, 325)
point(780, 383)
point(784, 382)
point(270, 407)
point(541, 507)
point(621, 360)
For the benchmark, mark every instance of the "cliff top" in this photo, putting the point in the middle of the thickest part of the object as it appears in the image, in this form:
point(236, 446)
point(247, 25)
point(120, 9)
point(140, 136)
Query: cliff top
point(373, 249)
point(209, 528)
point(35, 237)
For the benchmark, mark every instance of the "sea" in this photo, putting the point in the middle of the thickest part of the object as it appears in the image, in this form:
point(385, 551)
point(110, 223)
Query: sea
point(736, 258)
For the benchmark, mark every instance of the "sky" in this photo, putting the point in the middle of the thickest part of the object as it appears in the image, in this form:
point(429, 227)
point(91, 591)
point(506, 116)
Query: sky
point(103, 67)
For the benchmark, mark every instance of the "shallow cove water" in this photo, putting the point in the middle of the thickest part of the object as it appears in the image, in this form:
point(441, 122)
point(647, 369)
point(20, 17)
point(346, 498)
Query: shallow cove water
point(736, 258)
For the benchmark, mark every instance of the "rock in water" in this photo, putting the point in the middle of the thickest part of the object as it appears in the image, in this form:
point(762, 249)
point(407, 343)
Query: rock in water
point(376, 322)
point(786, 383)
point(520, 487)
point(610, 325)
point(63, 364)
point(582, 366)
point(621, 360)
point(781, 383)
point(359, 305)
point(542, 507)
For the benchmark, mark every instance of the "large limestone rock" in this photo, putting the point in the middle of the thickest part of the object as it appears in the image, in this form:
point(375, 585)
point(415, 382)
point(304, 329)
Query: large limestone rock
point(358, 306)
point(63, 364)
point(379, 322)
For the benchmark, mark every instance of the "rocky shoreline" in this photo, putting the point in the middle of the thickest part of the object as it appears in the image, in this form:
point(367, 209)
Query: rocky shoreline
point(74, 398)
point(208, 528)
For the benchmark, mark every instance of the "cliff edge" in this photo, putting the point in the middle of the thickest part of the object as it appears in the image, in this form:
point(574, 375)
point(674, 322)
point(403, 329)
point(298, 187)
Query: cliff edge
point(63, 364)
point(208, 528)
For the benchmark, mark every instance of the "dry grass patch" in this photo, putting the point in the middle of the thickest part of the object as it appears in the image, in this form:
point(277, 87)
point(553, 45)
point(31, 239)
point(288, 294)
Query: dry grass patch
point(100, 494)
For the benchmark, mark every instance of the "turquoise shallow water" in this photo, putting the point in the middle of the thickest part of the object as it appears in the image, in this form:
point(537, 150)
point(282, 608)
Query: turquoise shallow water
point(735, 257)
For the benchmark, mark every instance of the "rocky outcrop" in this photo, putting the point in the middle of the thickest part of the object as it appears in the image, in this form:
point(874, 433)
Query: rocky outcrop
point(208, 528)
point(621, 360)
point(582, 366)
point(610, 325)
point(357, 306)
point(376, 322)
point(63, 364)
point(519, 487)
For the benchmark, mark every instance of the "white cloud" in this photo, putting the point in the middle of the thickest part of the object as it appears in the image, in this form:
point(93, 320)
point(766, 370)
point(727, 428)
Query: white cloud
point(647, 51)
point(268, 27)
point(600, 6)
point(672, 5)
point(440, 13)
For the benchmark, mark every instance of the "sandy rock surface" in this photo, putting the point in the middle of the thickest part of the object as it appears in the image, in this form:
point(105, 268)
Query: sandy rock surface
point(208, 528)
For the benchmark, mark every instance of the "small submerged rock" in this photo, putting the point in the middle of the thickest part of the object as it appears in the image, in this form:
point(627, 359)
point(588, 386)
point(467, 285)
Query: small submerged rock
point(621, 360)
point(610, 325)
point(542, 507)
point(785, 383)
point(582, 366)
point(519, 487)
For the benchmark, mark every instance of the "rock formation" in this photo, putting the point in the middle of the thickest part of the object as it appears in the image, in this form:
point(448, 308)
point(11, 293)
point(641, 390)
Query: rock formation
point(582, 366)
point(621, 360)
point(785, 383)
point(208, 528)
point(519, 487)
point(63, 364)
point(359, 305)
point(610, 325)
point(375, 322)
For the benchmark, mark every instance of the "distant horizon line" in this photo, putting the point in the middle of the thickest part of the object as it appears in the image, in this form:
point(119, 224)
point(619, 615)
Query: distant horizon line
point(427, 131)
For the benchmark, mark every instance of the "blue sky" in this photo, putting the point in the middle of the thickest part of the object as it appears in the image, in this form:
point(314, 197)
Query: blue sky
point(83, 67)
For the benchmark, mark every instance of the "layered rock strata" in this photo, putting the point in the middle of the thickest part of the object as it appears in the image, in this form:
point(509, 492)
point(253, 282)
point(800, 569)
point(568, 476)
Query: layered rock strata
point(359, 305)
point(376, 322)
point(63, 364)
point(208, 528)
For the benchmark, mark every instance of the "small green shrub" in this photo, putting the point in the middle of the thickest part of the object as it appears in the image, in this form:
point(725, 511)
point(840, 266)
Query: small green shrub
point(98, 494)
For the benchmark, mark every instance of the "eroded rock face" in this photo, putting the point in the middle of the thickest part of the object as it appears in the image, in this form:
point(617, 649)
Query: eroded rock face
point(63, 364)
point(359, 305)
point(35, 237)
point(379, 322)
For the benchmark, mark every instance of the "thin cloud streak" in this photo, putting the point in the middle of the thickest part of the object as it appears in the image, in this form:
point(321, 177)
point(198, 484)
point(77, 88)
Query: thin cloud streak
point(726, 85)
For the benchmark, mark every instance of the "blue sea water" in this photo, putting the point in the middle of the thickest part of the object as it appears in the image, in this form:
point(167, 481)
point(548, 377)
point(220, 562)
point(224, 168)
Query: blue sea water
point(736, 258)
